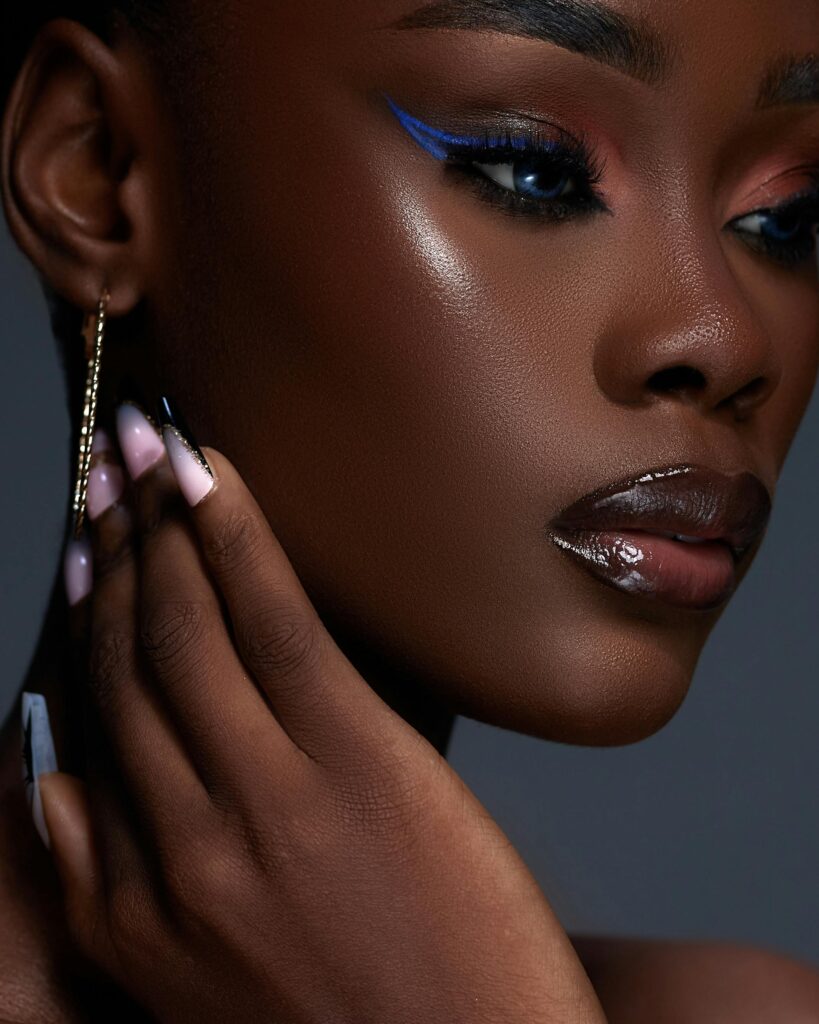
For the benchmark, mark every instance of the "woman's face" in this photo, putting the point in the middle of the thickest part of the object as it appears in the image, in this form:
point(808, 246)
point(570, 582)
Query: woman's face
point(439, 283)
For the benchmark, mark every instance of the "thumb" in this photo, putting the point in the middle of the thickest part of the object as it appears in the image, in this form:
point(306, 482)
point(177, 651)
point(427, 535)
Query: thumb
point(67, 816)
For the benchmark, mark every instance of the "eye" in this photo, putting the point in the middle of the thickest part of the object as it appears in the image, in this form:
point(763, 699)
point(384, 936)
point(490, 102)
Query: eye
point(533, 176)
point(785, 233)
point(541, 172)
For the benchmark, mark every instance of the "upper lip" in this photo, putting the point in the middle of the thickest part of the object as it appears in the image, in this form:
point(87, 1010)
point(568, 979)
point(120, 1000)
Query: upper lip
point(684, 499)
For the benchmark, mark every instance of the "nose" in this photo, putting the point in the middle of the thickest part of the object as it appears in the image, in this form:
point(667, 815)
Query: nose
point(703, 347)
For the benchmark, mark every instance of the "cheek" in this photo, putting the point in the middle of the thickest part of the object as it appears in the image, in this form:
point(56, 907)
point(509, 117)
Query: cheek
point(797, 328)
point(426, 407)
point(788, 308)
point(416, 403)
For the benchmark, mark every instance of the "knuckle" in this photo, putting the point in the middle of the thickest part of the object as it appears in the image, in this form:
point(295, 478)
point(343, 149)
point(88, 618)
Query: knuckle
point(172, 631)
point(387, 802)
point(236, 543)
point(109, 660)
point(203, 881)
point(264, 854)
point(281, 642)
point(111, 558)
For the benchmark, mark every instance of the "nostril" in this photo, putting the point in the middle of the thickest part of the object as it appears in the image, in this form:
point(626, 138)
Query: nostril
point(750, 396)
point(675, 379)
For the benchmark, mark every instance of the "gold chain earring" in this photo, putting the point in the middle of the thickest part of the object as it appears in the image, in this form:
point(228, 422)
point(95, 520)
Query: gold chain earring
point(94, 334)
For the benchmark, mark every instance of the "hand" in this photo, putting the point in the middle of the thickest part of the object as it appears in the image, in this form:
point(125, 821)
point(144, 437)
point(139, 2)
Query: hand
point(259, 836)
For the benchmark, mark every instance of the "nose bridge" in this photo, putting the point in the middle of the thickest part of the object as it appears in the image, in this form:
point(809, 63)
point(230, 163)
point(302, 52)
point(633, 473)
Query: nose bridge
point(687, 331)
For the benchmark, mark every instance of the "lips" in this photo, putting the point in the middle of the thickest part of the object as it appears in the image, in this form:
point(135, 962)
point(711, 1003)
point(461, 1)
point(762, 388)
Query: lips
point(677, 534)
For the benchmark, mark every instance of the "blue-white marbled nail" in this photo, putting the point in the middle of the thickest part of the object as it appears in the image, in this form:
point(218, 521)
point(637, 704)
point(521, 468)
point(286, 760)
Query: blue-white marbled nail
point(39, 755)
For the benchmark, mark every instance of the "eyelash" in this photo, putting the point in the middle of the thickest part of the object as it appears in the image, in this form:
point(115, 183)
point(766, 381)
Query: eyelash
point(558, 153)
point(575, 158)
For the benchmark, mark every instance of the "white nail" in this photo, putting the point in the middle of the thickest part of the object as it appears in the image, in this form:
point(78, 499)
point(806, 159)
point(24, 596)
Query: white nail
point(39, 755)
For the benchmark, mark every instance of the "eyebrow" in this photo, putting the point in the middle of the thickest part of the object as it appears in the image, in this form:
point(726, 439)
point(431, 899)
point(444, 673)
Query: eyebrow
point(791, 80)
point(588, 28)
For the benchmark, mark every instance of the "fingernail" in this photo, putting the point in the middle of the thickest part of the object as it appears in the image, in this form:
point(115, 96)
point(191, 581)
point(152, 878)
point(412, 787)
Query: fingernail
point(193, 474)
point(39, 756)
point(106, 485)
point(102, 442)
point(78, 570)
point(139, 439)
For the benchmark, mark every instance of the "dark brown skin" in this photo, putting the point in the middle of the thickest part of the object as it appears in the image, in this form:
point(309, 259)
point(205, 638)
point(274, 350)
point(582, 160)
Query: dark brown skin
point(412, 384)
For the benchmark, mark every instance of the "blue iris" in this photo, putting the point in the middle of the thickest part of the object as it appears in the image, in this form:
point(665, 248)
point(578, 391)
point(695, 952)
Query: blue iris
point(540, 179)
point(782, 227)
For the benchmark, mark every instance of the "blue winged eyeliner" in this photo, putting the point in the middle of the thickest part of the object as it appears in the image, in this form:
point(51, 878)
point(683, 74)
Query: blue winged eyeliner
point(431, 138)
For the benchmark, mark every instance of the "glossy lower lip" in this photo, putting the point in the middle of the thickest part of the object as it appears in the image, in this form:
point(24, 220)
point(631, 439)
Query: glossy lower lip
point(699, 576)
point(626, 533)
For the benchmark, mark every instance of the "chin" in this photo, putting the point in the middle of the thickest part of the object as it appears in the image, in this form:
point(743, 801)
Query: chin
point(603, 684)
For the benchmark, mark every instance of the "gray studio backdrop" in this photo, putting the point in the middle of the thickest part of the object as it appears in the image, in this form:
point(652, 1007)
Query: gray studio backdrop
point(710, 828)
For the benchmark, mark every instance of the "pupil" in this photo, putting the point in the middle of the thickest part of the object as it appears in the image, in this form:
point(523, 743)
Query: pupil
point(540, 180)
point(783, 228)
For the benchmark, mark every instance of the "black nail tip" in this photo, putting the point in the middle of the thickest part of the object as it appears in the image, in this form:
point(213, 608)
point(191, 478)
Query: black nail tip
point(165, 412)
point(168, 415)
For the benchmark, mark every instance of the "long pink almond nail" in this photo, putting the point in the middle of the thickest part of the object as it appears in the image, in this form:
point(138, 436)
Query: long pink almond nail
point(195, 482)
point(139, 440)
point(106, 485)
point(193, 474)
point(78, 570)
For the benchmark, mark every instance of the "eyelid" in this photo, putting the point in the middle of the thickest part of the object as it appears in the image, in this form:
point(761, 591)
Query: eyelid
point(440, 143)
point(771, 193)
point(425, 135)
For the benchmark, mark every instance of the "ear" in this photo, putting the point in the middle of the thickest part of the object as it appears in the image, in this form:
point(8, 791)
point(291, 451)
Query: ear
point(76, 195)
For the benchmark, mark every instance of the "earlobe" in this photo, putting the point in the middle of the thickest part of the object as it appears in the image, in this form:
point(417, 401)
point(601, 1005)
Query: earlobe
point(67, 159)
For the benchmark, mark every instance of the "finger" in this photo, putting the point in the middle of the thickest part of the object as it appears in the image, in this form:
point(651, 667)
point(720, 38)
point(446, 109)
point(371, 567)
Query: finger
point(88, 902)
point(314, 690)
point(138, 771)
point(188, 649)
point(78, 571)
point(115, 719)
point(68, 818)
point(78, 577)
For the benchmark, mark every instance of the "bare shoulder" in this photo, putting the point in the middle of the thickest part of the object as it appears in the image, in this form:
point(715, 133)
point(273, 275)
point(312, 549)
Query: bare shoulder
point(645, 981)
